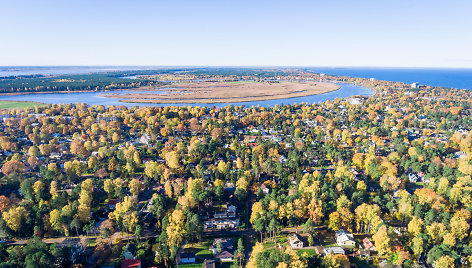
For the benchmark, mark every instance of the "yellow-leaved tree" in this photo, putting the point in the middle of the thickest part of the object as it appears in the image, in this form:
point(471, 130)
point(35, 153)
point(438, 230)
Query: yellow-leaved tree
point(175, 230)
point(14, 217)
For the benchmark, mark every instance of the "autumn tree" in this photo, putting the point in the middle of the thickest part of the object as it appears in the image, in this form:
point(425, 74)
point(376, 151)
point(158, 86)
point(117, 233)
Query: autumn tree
point(172, 159)
point(382, 240)
point(12, 166)
point(14, 217)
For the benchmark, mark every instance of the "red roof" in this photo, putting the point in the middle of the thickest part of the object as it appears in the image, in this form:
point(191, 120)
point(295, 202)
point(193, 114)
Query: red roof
point(131, 264)
point(367, 243)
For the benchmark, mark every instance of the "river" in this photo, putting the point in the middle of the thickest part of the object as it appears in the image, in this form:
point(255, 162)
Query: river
point(96, 98)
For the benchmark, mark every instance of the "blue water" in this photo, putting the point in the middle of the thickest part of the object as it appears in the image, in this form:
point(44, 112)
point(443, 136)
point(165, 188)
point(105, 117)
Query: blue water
point(453, 78)
point(94, 98)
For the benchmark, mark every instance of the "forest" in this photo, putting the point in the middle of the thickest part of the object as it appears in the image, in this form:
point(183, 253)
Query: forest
point(395, 169)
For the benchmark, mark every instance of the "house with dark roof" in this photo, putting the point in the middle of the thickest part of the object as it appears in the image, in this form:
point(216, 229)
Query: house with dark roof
point(223, 249)
point(225, 244)
point(225, 256)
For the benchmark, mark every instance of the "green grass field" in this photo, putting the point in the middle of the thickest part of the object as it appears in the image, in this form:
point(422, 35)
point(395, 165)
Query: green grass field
point(194, 265)
point(201, 249)
point(8, 105)
point(310, 252)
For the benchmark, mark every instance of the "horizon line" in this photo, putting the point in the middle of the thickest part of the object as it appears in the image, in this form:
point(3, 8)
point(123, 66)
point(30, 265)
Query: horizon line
point(246, 66)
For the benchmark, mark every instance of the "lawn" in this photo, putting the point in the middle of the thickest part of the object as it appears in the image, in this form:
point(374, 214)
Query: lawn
point(201, 249)
point(309, 251)
point(193, 265)
point(7, 105)
point(269, 243)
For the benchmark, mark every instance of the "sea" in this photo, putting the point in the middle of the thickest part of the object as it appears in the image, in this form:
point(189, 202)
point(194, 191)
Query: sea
point(452, 78)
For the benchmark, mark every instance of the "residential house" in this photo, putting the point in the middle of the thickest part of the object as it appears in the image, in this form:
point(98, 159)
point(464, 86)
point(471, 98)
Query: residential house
point(144, 139)
point(221, 223)
point(223, 219)
point(295, 241)
point(224, 243)
point(129, 253)
point(225, 246)
point(231, 211)
point(345, 239)
point(355, 101)
point(265, 189)
point(419, 177)
point(334, 250)
point(368, 245)
point(220, 214)
point(5, 117)
point(386, 264)
point(55, 155)
point(460, 154)
point(225, 256)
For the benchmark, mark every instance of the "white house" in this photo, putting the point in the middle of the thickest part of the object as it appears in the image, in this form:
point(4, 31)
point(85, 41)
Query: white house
point(265, 189)
point(221, 223)
point(334, 250)
point(295, 241)
point(345, 239)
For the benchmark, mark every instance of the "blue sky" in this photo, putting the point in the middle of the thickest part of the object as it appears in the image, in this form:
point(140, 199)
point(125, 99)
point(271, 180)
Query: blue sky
point(413, 33)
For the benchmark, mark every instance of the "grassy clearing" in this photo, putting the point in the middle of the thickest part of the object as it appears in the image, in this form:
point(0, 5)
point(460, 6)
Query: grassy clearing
point(269, 243)
point(195, 265)
point(310, 252)
point(201, 249)
point(8, 105)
